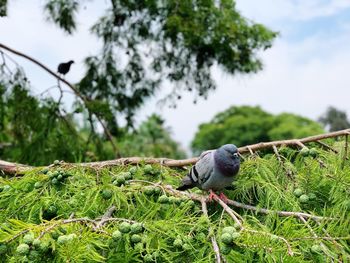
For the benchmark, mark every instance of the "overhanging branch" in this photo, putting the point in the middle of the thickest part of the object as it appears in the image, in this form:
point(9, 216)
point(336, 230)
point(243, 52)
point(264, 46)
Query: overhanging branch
point(75, 91)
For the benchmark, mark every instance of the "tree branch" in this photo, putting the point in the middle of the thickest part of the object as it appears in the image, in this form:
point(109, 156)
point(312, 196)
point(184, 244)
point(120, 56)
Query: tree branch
point(280, 213)
point(13, 168)
point(76, 92)
point(105, 217)
point(212, 238)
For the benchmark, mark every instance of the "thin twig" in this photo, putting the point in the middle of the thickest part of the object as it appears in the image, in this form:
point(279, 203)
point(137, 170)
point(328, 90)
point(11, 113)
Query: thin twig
point(264, 145)
point(329, 236)
point(105, 217)
point(212, 238)
point(345, 149)
point(327, 146)
point(196, 197)
point(277, 154)
point(300, 144)
point(229, 211)
point(66, 221)
point(94, 224)
point(250, 150)
point(316, 236)
point(289, 248)
point(17, 235)
point(280, 213)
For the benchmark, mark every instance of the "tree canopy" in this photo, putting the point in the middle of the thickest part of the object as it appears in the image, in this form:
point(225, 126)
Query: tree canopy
point(151, 139)
point(243, 125)
point(144, 45)
point(334, 119)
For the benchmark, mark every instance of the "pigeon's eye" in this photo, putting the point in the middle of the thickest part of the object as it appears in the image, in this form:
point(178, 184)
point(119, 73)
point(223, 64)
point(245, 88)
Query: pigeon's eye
point(235, 155)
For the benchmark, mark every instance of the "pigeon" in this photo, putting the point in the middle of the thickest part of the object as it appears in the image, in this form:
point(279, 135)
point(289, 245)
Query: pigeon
point(63, 68)
point(214, 171)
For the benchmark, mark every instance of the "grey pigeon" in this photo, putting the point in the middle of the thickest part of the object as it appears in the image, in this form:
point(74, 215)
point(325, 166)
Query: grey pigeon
point(63, 68)
point(214, 170)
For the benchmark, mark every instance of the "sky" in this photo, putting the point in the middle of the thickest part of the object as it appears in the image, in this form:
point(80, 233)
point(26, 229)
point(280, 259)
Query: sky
point(305, 71)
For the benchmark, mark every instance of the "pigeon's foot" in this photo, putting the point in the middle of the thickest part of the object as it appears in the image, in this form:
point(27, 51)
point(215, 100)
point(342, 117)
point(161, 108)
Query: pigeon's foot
point(212, 195)
point(223, 197)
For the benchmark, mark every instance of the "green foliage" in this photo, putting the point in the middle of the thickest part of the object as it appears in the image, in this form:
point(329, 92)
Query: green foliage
point(289, 126)
point(246, 125)
point(3, 8)
point(334, 119)
point(36, 130)
point(62, 13)
point(145, 43)
point(51, 133)
point(184, 39)
point(37, 224)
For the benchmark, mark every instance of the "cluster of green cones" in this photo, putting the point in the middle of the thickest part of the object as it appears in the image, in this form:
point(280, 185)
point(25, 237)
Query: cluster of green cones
point(133, 214)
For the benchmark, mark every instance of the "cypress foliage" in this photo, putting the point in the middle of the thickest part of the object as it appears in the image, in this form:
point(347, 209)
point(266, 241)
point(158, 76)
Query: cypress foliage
point(67, 213)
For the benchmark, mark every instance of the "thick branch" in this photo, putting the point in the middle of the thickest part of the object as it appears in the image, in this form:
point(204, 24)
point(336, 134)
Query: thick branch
point(264, 145)
point(13, 168)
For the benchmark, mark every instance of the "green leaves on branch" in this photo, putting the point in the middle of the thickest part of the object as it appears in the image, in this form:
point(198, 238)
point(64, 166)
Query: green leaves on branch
point(150, 223)
point(3, 8)
point(37, 130)
point(62, 13)
point(147, 42)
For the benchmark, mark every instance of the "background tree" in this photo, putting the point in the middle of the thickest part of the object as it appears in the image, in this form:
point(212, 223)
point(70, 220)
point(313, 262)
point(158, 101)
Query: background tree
point(334, 119)
point(289, 126)
point(151, 139)
point(247, 125)
point(144, 44)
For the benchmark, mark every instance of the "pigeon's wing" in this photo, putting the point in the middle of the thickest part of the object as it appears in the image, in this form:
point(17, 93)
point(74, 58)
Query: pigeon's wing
point(204, 168)
point(199, 173)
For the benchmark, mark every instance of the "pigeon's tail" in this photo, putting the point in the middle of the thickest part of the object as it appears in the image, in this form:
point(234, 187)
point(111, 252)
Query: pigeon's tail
point(190, 180)
point(186, 183)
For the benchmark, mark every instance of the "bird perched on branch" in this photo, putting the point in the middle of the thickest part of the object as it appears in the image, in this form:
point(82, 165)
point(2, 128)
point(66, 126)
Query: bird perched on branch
point(214, 171)
point(63, 68)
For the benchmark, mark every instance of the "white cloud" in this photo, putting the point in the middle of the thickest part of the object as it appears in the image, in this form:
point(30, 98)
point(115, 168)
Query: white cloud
point(271, 11)
point(310, 9)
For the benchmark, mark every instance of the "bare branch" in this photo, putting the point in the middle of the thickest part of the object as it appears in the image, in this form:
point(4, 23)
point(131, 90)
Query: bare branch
point(13, 168)
point(229, 211)
point(280, 213)
point(105, 217)
point(277, 154)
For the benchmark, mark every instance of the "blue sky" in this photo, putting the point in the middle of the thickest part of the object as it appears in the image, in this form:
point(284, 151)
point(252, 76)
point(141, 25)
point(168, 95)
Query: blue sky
point(306, 70)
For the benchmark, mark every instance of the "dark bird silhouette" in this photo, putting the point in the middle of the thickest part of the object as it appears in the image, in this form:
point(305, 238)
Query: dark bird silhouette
point(63, 68)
